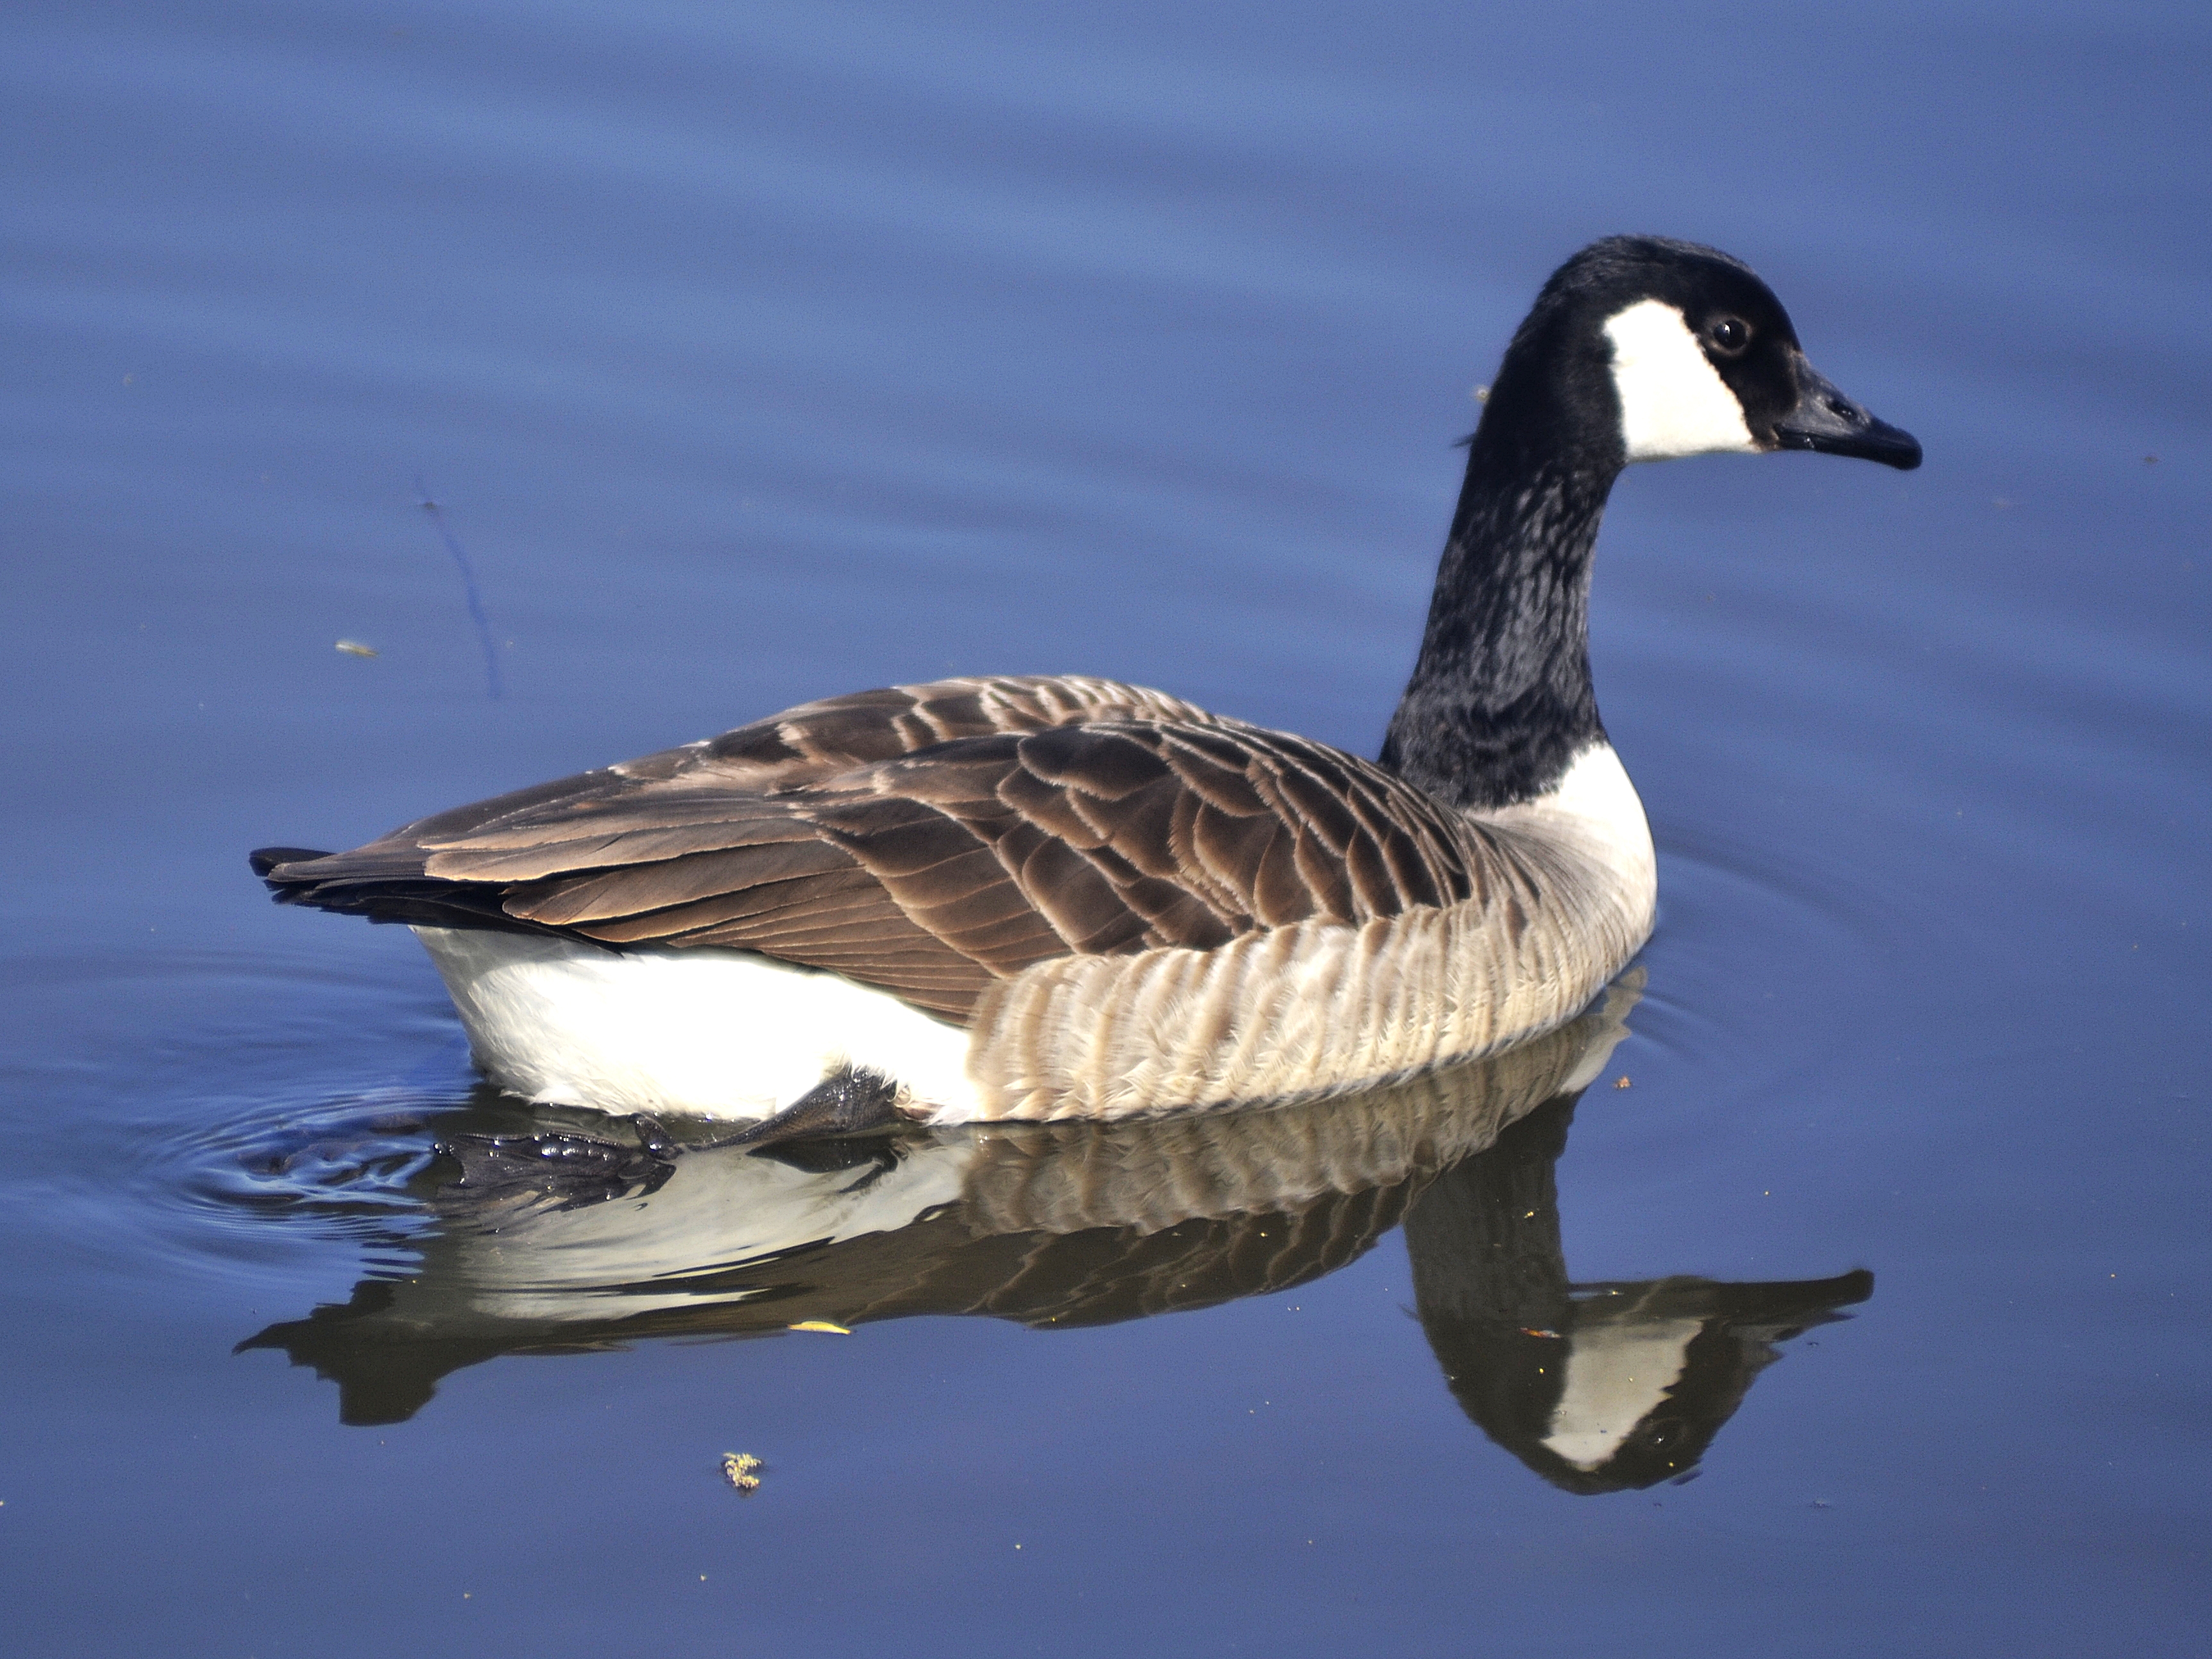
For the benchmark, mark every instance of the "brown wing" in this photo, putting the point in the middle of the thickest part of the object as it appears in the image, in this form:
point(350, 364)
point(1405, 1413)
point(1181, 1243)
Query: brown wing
point(929, 839)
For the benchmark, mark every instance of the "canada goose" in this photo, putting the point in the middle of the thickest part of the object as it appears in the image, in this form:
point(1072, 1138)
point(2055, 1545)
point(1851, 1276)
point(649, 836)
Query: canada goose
point(1060, 896)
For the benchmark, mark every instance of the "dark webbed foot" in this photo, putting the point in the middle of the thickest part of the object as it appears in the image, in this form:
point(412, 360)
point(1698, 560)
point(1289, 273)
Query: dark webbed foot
point(573, 1169)
point(852, 1103)
point(576, 1170)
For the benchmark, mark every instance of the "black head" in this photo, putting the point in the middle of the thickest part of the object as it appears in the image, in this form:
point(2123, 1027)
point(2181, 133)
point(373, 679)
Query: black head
point(1641, 347)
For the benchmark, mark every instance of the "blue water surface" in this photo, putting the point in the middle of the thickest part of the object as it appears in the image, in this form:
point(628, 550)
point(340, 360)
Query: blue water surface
point(752, 354)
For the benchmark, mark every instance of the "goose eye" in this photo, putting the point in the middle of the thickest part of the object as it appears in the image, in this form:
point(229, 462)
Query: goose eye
point(1731, 335)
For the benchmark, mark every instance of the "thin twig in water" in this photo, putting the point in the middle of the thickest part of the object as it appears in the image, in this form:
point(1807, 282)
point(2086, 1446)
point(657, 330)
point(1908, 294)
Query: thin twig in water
point(469, 586)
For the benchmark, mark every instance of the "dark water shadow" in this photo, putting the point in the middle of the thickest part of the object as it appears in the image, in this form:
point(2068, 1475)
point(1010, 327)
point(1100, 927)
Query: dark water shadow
point(1597, 1387)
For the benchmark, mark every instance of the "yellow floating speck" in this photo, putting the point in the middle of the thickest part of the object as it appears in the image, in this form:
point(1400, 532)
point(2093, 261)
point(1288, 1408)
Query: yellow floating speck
point(738, 1468)
point(355, 649)
point(820, 1325)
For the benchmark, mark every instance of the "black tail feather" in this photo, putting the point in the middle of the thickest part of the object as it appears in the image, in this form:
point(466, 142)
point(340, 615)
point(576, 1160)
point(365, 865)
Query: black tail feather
point(386, 890)
point(265, 858)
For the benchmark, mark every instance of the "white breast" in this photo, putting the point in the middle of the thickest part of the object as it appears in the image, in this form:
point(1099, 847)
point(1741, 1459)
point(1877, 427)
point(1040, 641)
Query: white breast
point(1595, 813)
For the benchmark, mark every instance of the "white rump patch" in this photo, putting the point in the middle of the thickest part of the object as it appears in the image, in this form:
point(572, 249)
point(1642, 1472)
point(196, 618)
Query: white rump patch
point(1616, 1374)
point(712, 1033)
point(1672, 402)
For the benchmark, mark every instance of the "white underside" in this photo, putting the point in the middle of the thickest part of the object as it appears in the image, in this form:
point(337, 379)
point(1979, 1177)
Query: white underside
point(721, 1034)
point(1297, 1011)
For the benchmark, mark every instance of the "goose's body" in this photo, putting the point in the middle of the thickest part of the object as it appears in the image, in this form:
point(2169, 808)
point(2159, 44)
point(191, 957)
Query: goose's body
point(1264, 917)
point(1046, 897)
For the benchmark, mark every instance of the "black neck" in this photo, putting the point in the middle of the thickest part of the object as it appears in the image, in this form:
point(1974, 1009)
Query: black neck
point(1500, 701)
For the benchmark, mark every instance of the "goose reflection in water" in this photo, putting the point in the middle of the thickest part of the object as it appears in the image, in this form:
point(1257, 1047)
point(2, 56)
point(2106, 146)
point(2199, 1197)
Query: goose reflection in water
point(563, 1242)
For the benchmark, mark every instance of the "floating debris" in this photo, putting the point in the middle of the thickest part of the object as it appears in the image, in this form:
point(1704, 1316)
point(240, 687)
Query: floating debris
point(1621, 1082)
point(738, 1469)
point(819, 1325)
point(355, 649)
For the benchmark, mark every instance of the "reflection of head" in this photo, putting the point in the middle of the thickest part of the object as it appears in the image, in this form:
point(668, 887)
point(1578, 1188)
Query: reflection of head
point(1597, 1387)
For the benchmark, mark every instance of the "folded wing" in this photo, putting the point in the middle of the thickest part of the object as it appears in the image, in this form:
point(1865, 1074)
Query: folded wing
point(928, 839)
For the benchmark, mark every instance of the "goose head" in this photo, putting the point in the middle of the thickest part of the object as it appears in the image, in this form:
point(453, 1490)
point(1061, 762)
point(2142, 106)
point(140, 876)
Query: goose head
point(1645, 349)
point(1638, 349)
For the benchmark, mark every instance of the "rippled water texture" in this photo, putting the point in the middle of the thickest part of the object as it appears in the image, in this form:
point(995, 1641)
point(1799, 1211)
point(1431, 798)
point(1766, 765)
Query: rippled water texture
point(751, 354)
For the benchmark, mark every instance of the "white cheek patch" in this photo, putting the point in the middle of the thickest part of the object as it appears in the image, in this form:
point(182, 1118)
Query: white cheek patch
point(1615, 1375)
point(1671, 401)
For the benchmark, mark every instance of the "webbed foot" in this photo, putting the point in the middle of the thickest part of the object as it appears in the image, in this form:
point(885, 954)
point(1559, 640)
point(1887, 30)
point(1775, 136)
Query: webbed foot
point(853, 1102)
point(576, 1170)
point(573, 1169)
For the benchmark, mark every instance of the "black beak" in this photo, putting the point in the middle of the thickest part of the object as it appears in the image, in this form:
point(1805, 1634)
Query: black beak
point(1832, 424)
